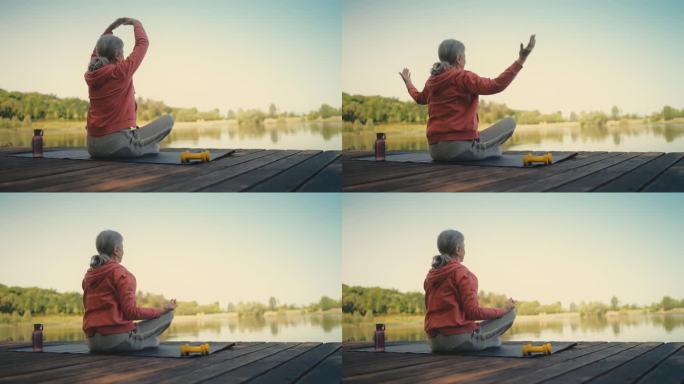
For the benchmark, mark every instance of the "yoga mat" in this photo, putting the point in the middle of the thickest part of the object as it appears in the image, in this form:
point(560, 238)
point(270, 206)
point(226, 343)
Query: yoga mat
point(164, 157)
point(505, 160)
point(508, 349)
point(165, 349)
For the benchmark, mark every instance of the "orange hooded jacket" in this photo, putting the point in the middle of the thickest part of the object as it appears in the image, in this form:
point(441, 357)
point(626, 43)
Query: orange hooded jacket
point(451, 301)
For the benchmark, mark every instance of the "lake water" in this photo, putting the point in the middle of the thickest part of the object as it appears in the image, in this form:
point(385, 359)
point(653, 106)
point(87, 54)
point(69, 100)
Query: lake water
point(566, 327)
point(632, 137)
point(323, 135)
point(223, 327)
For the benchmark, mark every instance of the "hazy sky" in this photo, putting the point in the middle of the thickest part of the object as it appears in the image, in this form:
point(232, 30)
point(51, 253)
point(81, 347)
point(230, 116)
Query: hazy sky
point(590, 55)
point(205, 53)
point(567, 247)
point(207, 247)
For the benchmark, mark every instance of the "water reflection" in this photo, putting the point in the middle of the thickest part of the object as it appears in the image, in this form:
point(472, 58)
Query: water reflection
point(567, 327)
point(325, 135)
point(638, 137)
point(223, 327)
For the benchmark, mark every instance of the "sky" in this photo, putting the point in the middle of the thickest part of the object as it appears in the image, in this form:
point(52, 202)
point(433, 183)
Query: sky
point(550, 247)
point(204, 247)
point(225, 54)
point(590, 55)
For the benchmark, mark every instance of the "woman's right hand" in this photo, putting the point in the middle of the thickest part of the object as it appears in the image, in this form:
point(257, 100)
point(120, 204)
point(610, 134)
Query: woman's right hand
point(170, 306)
point(525, 51)
point(510, 304)
point(405, 75)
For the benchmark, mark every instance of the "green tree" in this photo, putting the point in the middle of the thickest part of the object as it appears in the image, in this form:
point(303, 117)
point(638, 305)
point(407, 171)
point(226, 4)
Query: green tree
point(272, 110)
point(272, 303)
point(614, 303)
point(615, 112)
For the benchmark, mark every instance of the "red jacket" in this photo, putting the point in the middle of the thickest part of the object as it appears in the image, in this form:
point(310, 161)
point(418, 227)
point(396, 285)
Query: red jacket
point(111, 93)
point(453, 97)
point(109, 301)
point(451, 301)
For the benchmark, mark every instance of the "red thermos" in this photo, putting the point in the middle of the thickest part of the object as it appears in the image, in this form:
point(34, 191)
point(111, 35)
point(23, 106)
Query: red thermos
point(380, 146)
point(379, 337)
point(37, 337)
point(37, 143)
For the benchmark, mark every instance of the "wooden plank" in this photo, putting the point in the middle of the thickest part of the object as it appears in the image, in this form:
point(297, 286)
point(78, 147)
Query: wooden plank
point(329, 368)
point(634, 181)
point(671, 370)
point(296, 176)
point(17, 363)
point(19, 168)
point(239, 157)
point(581, 349)
point(635, 369)
point(357, 172)
point(672, 180)
point(604, 176)
point(297, 367)
point(208, 369)
point(538, 375)
point(588, 372)
point(558, 179)
point(216, 175)
point(582, 159)
point(447, 368)
point(329, 179)
point(249, 179)
point(261, 366)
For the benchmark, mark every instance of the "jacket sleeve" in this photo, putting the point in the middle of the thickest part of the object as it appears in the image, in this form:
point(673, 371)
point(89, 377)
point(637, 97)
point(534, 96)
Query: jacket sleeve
point(467, 288)
point(485, 86)
point(419, 96)
point(125, 285)
point(128, 67)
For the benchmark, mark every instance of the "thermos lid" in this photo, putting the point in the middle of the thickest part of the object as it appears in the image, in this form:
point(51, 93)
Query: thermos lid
point(37, 327)
point(38, 132)
point(380, 135)
point(379, 327)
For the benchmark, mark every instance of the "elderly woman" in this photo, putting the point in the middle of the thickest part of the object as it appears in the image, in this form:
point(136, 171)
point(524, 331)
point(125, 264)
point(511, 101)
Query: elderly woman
point(110, 307)
point(452, 95)
point(452, 306)
point(111, 125)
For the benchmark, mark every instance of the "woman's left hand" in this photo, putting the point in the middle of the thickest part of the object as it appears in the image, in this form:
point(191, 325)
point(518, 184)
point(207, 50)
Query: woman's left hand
point(524, 52)
point(170, 306)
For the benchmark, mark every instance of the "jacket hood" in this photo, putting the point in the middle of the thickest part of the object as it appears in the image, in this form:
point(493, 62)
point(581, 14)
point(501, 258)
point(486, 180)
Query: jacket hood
point(94, 276)
point(99, 76)
point(436, 276)
point(444, 79)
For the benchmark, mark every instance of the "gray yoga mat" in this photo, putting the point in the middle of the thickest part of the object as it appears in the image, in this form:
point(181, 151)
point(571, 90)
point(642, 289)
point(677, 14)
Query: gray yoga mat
point(171, 156)
point(507, 349)
point(506, 160)
point(165, 349)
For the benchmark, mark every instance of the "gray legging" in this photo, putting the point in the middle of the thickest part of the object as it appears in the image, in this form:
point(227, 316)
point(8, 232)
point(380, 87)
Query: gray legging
point(146, 335)
point(131, 142)
point(488, 334)
point(489, 144)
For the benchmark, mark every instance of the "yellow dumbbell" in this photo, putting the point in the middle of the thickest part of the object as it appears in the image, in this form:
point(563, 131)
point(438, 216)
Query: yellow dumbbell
point(186, 156)
point(528, 349)
point(187, 349)
point(528, 159)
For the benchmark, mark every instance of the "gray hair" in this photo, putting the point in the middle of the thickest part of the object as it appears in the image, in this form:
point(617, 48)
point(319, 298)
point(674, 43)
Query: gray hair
point(448, 242)
point(449, 50)
point(108, 47)
point(105, 243)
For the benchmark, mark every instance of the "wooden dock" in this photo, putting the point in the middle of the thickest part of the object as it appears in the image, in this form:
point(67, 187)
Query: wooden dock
point(585, 172)
point(250, 170)
point(245, 362)
point(595, 362)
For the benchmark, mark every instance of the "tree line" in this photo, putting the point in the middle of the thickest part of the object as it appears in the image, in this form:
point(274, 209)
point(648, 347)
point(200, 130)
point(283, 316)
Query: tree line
point(22, 108)
point(371, 301)
point(23, 303)
point(389, 110)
